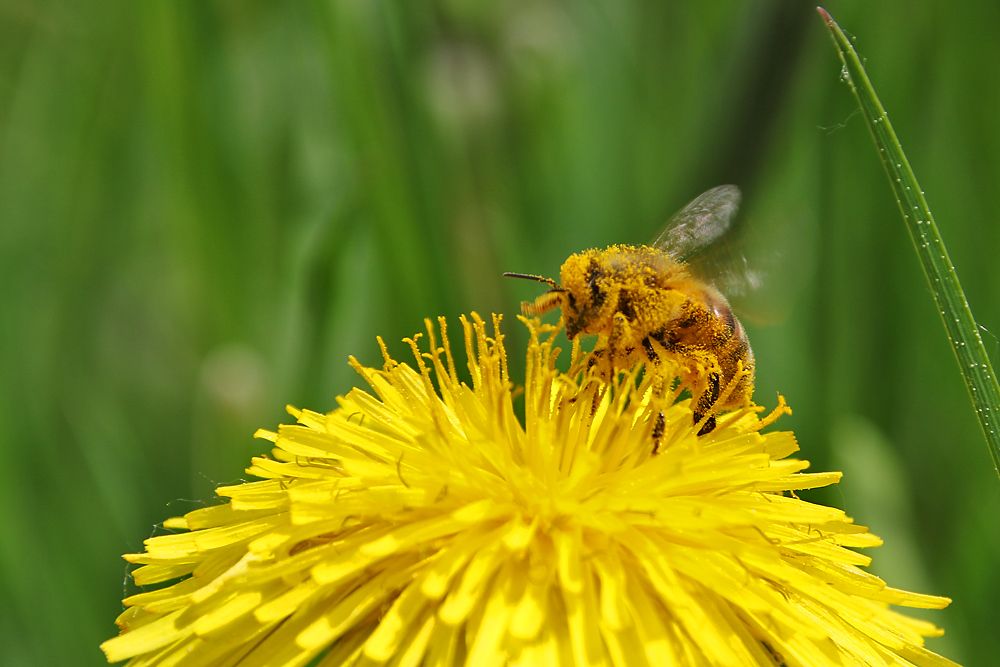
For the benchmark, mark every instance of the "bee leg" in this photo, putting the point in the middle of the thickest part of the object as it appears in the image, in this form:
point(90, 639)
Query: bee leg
point(622, 342)
point(706, 402)
point(708, 427)
point(595, 357)
point(651, 354)
point(598, 358)
point(658, 429)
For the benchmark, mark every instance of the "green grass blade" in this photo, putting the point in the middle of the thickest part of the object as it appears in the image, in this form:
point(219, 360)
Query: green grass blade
point(963, 332)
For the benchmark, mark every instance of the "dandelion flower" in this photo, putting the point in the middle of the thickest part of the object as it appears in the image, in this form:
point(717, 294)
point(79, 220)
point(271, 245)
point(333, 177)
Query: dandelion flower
point(423, 524)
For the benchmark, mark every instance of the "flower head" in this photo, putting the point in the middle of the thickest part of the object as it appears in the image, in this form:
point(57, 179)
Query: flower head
point(423, 523)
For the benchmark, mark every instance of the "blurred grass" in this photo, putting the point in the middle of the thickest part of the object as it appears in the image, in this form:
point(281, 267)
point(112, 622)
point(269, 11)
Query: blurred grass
point(205, 207)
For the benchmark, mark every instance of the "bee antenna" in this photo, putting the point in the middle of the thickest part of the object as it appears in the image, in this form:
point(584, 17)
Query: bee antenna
point(539, 279)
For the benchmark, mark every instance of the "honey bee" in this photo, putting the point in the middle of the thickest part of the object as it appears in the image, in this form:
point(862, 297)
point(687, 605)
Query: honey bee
point(651, 300)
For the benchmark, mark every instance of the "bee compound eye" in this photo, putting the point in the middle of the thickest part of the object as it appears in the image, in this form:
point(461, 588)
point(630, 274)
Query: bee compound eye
point(598, 293)
point(573, 327)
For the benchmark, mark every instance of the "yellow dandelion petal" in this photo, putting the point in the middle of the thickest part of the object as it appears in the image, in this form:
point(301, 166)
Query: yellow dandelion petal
point(463, 598)
point(528, 616)
point(488, 646)
point(385, 641)
point(423, 523)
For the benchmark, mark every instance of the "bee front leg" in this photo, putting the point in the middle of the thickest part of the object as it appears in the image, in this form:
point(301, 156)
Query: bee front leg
point(597, 356)
point(623, 342)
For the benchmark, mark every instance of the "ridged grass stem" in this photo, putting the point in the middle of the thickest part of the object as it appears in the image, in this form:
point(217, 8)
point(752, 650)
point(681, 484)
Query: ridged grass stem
point(961, 327)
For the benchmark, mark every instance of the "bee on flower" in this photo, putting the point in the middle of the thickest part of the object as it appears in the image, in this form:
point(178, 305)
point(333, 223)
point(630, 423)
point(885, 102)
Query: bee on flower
point(649, 301)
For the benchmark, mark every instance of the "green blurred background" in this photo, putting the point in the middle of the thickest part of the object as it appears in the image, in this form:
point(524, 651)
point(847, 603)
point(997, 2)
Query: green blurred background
point(206, 206)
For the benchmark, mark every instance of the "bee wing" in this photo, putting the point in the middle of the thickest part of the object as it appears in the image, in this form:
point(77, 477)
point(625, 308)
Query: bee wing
point(701, 222)
point(760, 265)
point(724, 263)
point(704, 237)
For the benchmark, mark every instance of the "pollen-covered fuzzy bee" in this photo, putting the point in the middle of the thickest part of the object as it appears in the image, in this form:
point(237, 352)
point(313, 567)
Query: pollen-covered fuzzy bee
point(660, 299)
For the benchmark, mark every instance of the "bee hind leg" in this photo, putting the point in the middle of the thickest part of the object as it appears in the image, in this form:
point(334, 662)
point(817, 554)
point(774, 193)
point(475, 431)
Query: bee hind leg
point(706, 402)
point(708, 426)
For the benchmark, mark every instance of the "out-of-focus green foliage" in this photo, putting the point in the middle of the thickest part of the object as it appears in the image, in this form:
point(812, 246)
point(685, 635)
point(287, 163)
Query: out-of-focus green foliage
point(206, 206)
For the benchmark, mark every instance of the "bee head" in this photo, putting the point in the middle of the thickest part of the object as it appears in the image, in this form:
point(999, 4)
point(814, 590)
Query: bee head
point(583, 295)
point(588, 299)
